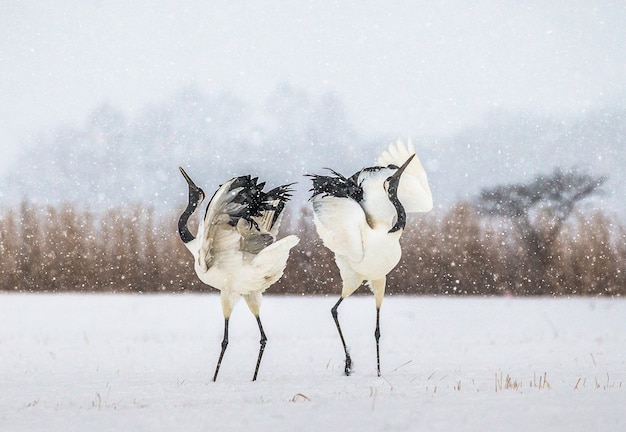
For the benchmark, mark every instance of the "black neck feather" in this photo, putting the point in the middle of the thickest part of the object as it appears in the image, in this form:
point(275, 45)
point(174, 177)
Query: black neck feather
point(392, 192)
point(183, 229)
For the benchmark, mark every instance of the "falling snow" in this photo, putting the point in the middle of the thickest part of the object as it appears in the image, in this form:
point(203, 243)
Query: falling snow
point(102, 101)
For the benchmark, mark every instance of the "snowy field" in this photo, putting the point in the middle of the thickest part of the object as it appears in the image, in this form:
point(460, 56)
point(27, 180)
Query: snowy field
point(145, 363)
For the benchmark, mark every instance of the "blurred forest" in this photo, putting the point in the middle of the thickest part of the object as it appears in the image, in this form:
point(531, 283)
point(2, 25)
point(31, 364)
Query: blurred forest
point(460, 252)
point(115, 160)
point(94, 207)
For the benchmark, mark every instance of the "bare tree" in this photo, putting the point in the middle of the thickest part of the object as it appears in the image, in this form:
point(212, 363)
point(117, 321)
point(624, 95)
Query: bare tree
point(538, 210)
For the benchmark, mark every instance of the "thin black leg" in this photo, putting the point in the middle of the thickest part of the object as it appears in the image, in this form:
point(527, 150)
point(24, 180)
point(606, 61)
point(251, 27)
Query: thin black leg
point(333, 311)
point(224, 345)
point(261, 349)
point(377, 336)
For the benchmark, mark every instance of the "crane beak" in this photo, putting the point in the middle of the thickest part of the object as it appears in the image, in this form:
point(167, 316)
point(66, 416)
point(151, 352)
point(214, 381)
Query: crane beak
point(398, 173)
point(192, 185)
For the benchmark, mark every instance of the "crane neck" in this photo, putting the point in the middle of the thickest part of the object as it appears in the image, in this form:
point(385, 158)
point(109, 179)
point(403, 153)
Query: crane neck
point(401, 213)
point(183, 229)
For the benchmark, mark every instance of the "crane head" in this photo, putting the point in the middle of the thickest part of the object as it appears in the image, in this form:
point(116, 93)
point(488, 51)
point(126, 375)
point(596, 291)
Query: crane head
point(392, 182)
point(196, 195)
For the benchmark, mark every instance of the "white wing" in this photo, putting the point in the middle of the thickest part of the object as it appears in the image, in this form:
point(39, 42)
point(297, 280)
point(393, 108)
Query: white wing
point(227, 238)
point(266, 222)
point(340, 223)
point(270, 263)
point(218, 235)
point(414, 191)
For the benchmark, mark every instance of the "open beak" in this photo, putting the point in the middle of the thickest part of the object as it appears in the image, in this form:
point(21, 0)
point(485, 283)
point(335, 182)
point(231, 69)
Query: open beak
point(398, 173)
point(192, 185)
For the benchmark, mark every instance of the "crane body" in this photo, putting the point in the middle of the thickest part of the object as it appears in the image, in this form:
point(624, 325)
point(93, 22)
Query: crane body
point(361, 219)
point(236, 250)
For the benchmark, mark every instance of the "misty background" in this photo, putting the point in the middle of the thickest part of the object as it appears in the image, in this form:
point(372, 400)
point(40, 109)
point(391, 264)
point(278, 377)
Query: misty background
point(100, 102)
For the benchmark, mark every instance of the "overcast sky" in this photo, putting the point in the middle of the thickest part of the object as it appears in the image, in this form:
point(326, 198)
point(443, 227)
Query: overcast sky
point(410, 67)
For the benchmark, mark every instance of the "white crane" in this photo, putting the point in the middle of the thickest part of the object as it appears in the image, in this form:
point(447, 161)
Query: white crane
point(361, 219)
point(236, 250)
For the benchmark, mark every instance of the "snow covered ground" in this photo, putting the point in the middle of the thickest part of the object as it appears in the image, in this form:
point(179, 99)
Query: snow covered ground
point(131, 362)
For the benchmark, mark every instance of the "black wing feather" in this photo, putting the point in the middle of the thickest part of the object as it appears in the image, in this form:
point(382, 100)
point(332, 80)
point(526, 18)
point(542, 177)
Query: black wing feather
point(337, 186)
point(253, 201)
point(282, 194)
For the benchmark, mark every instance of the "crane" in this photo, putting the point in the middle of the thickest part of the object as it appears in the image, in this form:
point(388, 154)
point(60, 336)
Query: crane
point(361, 218)
point(235, 250)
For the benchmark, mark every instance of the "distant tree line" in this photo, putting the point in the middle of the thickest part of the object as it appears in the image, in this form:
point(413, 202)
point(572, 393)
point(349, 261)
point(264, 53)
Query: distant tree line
point(474, 248)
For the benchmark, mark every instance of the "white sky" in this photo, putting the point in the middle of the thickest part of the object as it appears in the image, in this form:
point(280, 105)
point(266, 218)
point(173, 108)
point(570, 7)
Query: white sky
point(412, 67)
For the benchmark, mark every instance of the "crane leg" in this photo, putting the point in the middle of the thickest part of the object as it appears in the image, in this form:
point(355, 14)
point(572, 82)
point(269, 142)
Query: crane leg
point(224, 345)
point(261, 348)
point(377, 336)
point(333, 311)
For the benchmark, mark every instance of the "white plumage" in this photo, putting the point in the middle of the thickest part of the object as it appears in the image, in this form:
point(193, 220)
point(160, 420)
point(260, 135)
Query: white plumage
point(361, 219)
point(236, 250)
point(414, 192)
point(243, 258)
